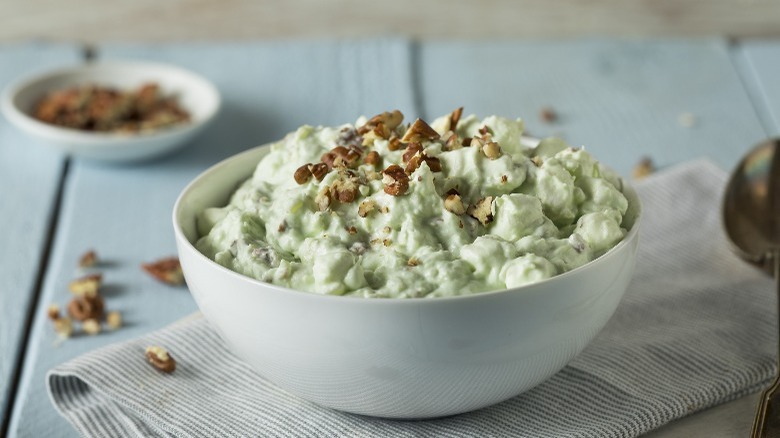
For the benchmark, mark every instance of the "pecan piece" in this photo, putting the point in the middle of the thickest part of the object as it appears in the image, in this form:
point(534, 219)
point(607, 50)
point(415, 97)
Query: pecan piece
point(161, 359)
point(344, 190)
point(373, 158)
point(86, 307)
point(303, 174)
point(86, 286)
point(91, 326)
point(366, 207)
point(394, 144)
point(396, 180)
point(88, 259)
point(114, 319)
point(166, 270)
point(319, 170)
point(644, 168)
point(491, 150)
point(323, 199)
point(455, 118)
point(53, 312)
point(390, 120)
point(482, 210)
point(412, 149)
point(454, 203)
point(63, 327)
point(548, 115)
point(420, 131)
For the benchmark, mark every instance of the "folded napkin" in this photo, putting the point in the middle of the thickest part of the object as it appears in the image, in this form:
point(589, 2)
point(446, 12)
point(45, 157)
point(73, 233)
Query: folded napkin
point(695, 329)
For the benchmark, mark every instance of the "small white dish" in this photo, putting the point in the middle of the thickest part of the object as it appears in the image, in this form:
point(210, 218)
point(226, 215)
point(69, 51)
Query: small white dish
point(194, 93)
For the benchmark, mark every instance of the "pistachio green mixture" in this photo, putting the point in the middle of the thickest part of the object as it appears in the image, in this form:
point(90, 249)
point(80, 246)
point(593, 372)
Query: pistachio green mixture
point(466, 209)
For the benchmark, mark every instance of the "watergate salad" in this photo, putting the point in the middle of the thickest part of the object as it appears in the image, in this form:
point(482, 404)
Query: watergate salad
point(387, 209)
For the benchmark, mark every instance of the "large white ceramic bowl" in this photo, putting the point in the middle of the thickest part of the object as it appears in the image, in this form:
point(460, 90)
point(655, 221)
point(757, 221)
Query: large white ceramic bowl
point(195, 94)
point(399, 358)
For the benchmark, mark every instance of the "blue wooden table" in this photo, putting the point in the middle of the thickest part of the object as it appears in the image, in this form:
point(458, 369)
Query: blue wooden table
point(620, 99)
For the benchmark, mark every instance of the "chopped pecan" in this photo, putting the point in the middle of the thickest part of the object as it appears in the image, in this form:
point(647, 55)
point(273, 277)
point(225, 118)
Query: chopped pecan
point(373, 158)
point(91, 326)
point(455, 118)
point(420, 131)
point(396, 180)
point(86, 286)
point(88, 259)
point(86, 307)
point(411, 150)
point(166, 270)
point(160, 359)
point(303, 174)
point(482, 210)
point(491, 150)
point(548, 115)
point(53, 312)
point(454, 204)
point(644, 168)
point(366, 207)
point(394, 144)
point(351, 230)
point(344, 190)
point(413, 261)
point(114, 319)
point(323, 199)
point(319, 170)
point(537, 160)
point(485, 131)
point(63, 327)
point(452, 142)
point(390, 120)
point(504, 179)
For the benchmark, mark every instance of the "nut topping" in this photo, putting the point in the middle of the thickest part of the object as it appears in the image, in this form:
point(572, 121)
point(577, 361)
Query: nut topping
point(644, 168)
point(114, 319)
point(344, 190)
point(373, 158)
point(420, 131)
point(454, 204)
point(167, 271)
point(455, 118)
point(394, 144)
point(319, 170)
point(366, 207)
point(411, 150)
point(323, 199)
point(491, 150)
point(303, 174)
point(390, 120)
point(63, 327)
point(395, 179)
point(482, 210)
point(160, 359)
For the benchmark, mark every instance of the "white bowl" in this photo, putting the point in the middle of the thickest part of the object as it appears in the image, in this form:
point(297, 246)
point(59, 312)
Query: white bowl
point(195, 94)
point(398, 358)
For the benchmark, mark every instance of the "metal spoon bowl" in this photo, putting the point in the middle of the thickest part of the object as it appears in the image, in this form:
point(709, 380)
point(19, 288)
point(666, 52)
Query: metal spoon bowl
point(751, 216)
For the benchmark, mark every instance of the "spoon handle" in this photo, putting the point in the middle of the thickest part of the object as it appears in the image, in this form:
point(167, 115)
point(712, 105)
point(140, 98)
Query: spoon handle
point(762, 420)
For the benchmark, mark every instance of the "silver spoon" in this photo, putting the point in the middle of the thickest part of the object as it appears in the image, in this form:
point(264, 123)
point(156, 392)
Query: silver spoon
point(751, 216)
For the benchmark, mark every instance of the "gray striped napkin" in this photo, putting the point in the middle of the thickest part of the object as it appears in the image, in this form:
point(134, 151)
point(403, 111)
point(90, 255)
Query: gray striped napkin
point(695, 329)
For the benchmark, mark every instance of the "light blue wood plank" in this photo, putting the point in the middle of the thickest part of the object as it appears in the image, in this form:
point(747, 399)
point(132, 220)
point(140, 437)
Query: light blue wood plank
point(124, 212)
point(620, 99)
point(762, 75)
point(29, 180)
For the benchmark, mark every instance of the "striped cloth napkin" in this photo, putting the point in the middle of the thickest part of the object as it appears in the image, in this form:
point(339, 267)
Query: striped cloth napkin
point(695, 329)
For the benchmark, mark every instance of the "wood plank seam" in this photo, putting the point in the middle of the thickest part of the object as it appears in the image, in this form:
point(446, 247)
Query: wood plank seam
point(43, 263)
point(751, 84)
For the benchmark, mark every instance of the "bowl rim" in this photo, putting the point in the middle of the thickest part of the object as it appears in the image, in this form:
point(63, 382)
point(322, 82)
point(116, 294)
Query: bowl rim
point(102, 140)
point(630, 236)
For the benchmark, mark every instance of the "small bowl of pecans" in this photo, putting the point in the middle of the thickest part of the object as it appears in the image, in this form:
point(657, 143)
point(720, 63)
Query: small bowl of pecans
point(112, 111)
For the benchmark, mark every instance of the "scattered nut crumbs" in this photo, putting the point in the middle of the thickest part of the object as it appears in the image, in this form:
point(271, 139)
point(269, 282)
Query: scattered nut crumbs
point(108, 109)
point(88, 259)
point(548, 115)
point(53, 312)
point(63, 327)
point(166, 270)
point(644, 168)
point(91, 326)
point(86, 286)
point(160, 359)
point(114, 319)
